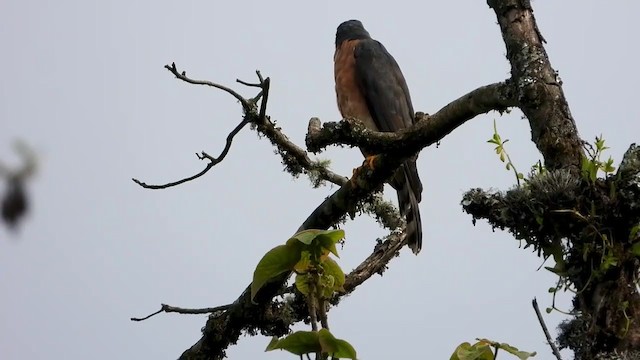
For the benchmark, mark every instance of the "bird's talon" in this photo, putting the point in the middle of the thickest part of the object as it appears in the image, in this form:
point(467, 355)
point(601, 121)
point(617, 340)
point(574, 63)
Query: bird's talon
point(369, 161)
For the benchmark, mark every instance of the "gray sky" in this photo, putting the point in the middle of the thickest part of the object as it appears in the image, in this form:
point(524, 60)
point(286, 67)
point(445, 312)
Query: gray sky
point(83, 83)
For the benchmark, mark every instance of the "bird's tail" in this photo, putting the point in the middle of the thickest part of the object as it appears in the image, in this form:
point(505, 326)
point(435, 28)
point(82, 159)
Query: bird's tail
point(409, 188)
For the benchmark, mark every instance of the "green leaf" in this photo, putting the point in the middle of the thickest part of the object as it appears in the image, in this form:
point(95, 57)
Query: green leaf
point(554, 270)
point(345, 350)
point(608, 260)
point(600, 144)
point(276, 261)
point(634, 232)
point(608, 166)
point(332, 268)
point(299, 343)
point(478, 351)
point(539, 219)
point(548, 310)
point(522, 355)
point(593, 171)
point(304, 264)
point(305, 236)
point(272, 343)
point(589, 169)
point(327, 284)
point(329, 238)
point(584, 165)
point(324, 238)
point(302, 283)
point(520, 176)
point(496, 137)
point(337, 348)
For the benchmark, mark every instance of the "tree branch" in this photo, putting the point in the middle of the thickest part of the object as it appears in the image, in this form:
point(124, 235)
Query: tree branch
point(169, 309)
point(498, 96)
point(539, 88)
point(244, 315)
point(213, 161)
point(552, 344)
point(246, 105)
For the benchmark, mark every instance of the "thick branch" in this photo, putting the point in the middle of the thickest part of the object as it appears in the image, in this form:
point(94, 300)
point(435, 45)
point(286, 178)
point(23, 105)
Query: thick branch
point(498, 96)
point(539, 88)
point(225, 329)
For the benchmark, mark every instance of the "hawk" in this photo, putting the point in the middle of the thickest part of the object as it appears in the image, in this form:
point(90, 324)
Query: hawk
point(371, 88)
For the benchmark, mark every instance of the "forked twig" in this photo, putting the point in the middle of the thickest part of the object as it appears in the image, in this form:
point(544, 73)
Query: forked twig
point(183, 76)
point(212, 160)
point(248, 107)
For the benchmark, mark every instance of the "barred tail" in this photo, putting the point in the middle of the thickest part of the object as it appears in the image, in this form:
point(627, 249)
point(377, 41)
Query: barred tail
point(409, 188)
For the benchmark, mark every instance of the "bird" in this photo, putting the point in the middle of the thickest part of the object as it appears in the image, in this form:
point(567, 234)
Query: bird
point(371, 88)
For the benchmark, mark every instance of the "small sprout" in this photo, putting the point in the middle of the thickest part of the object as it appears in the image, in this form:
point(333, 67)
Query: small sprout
point(502, 153)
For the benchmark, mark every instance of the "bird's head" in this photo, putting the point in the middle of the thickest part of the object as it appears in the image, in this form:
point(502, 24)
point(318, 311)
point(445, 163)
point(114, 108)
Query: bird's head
point(350, 30)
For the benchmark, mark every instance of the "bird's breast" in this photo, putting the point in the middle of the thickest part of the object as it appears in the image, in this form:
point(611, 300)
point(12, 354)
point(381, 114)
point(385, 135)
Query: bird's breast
point(351, 101)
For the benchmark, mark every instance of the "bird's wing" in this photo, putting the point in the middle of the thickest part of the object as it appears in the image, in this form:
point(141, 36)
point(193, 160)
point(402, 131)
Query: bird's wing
point(385, 91)
point(383, 86)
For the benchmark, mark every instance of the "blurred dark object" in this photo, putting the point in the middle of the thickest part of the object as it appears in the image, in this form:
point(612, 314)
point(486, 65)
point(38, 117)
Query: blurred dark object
point(15, 202)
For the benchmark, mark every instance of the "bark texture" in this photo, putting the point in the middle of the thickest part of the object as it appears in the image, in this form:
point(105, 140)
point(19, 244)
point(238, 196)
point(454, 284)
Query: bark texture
point(539, 88)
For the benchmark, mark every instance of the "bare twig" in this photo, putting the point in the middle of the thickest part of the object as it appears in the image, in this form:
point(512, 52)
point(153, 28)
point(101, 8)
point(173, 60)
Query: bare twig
point(183, 76)
point(258, 85)
point(554, 348)
point(212, 160)
point(265, 97)
point(169, 309)
point(248, 107)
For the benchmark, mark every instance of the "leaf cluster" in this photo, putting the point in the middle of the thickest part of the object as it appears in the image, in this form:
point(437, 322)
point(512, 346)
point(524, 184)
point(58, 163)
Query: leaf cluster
point(318, 277)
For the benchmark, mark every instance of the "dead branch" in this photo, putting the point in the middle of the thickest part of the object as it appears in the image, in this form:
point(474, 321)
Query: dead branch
point(246, 105)
point(213, 161)
point(169, 309)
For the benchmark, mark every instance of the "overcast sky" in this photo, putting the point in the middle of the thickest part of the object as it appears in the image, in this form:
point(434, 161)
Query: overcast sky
point(83, 83)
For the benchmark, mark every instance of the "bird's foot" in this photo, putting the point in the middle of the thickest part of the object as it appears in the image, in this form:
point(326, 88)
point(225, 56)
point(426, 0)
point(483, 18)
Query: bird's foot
point(368, 162)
